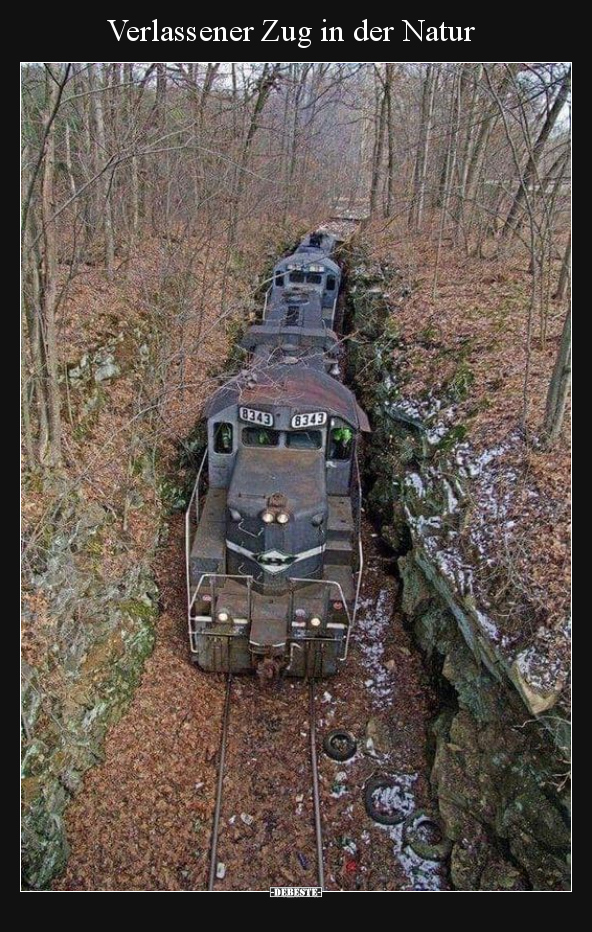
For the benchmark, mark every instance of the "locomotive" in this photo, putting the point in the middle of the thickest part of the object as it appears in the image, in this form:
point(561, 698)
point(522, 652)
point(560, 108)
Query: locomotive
point(273, 547)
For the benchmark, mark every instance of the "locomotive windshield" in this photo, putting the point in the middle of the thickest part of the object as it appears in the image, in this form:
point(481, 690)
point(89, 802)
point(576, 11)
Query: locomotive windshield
point(305, 440)
point(260, 437)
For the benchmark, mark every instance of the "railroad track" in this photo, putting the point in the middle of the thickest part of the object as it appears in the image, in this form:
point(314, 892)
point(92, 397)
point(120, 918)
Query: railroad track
point(221, 773)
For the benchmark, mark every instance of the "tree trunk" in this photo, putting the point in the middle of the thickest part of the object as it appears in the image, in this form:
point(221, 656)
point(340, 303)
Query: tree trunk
point(264, 87)
point(378, 148)
point(530, 172)
point(50, 269)
point(564, 274)
point(134, 184)
point(390, 131)
point(558, 387)
point(477, 156)
point(101, 145)
point(32, 302)
point(423, 148)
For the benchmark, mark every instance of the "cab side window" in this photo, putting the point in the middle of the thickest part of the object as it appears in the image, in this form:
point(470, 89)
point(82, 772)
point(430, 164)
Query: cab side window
point(330, 283)
point(279, 279)
point(223, 438)
point(340, 443)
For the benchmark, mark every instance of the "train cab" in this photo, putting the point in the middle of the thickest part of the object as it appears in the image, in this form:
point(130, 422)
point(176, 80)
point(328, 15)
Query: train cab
point(281, 465)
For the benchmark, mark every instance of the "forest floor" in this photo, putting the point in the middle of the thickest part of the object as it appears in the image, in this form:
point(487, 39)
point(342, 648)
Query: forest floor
point(143, 821)
point(460, 352)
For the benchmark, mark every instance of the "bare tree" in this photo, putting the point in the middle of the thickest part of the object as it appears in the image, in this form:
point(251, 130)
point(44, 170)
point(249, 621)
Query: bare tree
point(101, 158)
point(558, 387)
point(565, 270)
point(420, 175)
point(55, 81)
point(530, 173)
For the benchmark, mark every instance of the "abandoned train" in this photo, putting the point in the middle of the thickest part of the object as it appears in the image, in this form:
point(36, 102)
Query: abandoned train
point(274, 556)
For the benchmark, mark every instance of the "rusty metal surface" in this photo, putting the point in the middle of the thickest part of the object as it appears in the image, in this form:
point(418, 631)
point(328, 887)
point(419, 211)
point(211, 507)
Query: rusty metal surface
point(303, 389)
point(263, 471)
point(274, 332)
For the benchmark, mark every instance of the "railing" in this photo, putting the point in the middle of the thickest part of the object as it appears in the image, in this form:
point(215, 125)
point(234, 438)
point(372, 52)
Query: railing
point(324, 582)
point(212, 577)
point(267, 294)
point(333, 309)
point(193, 506)
point(358, 525)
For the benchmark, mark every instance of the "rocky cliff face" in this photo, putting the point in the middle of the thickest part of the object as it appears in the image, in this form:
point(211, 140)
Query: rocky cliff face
point(501, 740)
point(90, 601)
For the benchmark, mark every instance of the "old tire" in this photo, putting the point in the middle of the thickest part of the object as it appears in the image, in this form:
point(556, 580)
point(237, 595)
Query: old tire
point(435, 849)
point(373, 809)
point(339, 745)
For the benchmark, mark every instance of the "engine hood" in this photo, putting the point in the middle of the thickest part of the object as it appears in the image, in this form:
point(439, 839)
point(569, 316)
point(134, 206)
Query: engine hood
point(260, 472)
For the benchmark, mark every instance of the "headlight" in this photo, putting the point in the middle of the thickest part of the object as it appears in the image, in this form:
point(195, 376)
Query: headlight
point(223, 615)
point(283, 517)
point(316, 622)
point(268, 517)
point(235, 515)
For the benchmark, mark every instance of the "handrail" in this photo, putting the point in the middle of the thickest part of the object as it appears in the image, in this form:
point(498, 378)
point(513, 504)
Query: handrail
point(248, 578)
point(358, 482)
point(193, 502)
point(333, 311)
point(330, 582)
point(212, 577)
point(357, 599)
point(267, 294)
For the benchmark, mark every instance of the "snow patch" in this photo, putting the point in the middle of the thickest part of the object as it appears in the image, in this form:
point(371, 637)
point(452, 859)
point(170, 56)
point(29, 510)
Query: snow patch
point(374, 618)
point(422, 875)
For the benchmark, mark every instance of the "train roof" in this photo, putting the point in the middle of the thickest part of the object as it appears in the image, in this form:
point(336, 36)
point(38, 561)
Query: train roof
point(303, 387)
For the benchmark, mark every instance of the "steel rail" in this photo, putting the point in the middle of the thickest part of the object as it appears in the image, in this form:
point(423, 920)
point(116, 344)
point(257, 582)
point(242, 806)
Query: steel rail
point(219, 786)
point(315, 787)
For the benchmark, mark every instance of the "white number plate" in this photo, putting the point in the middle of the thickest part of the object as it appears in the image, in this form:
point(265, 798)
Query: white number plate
point(256, 417)
point(314, 419)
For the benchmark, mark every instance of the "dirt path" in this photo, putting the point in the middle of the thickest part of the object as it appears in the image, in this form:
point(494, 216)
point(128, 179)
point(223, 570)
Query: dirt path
point(142, 821)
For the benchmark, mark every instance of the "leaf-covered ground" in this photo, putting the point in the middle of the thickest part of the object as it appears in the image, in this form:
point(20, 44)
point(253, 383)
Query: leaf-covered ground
point(467, 367)
point(143, 819)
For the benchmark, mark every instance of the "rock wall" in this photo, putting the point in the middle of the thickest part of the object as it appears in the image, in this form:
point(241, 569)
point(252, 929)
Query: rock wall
point(90, 605)
point(500, 749)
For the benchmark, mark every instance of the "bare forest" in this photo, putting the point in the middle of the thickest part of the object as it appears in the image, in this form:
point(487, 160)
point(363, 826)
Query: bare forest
point(156, 197)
